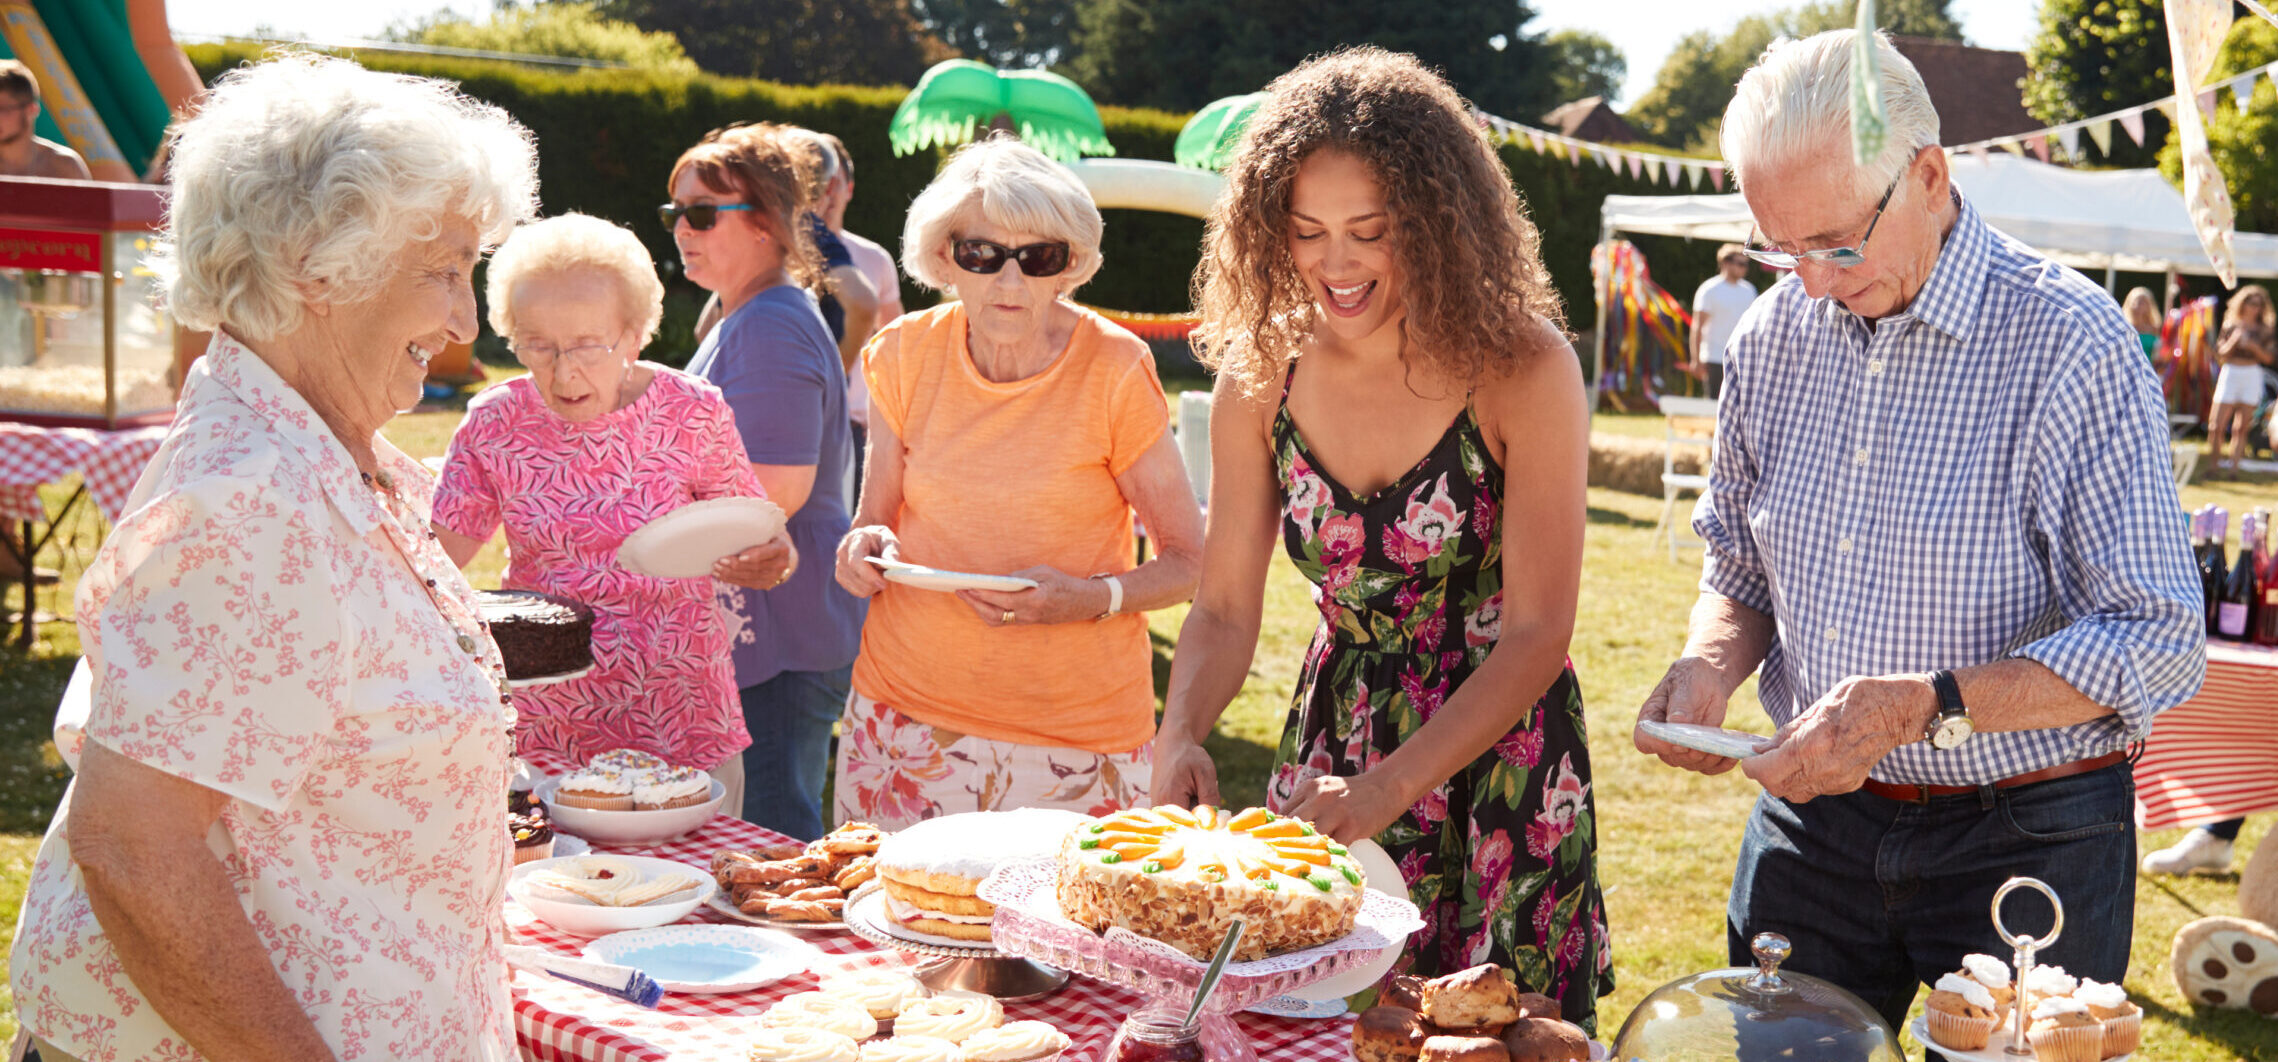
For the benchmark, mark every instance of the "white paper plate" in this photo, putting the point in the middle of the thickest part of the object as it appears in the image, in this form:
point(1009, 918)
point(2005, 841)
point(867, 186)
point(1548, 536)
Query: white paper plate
point(924, 578)
point(686, 542)
point(1995, 1050)
point(584, 918)
point(549, 680)
point(1383, 875)
point(708, 958)
point(1716, 741)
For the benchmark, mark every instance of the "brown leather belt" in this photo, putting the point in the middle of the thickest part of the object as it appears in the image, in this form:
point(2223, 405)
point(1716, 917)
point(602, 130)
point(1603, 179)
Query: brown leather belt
point(1921, 794)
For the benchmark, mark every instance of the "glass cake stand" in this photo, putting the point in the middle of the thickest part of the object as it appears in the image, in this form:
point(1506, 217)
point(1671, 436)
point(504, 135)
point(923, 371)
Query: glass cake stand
point(955, 967)
point(1029, 923)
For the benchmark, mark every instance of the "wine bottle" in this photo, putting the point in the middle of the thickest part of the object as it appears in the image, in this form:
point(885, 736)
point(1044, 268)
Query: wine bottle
point(2237, 604)
point(2212, 574)
point(2266, 616)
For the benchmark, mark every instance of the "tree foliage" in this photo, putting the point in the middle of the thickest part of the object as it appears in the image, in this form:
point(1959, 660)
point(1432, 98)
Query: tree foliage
point(1011, 34)
point(1584, 64)
point(573, 30)
point(1685, 106)
point(1181, 54)
point(2097, 56)
point(797, 42)
point(2245, 145)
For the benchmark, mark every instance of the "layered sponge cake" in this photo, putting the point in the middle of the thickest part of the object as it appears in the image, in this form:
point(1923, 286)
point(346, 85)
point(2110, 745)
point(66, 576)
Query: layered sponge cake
point(932, 871)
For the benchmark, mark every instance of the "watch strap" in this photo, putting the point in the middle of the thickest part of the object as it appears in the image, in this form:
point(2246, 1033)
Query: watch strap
point(1949, 697)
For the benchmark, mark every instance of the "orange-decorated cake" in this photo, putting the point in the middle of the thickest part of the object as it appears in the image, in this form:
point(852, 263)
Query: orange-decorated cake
point(1181, 875)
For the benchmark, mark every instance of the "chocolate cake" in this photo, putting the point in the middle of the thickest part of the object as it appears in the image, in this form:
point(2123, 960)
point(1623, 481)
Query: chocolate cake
point(538, 634)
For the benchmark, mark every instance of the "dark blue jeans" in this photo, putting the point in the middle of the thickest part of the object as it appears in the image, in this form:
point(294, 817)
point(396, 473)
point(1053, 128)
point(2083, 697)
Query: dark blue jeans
point(1882, 897)
point(790, 718)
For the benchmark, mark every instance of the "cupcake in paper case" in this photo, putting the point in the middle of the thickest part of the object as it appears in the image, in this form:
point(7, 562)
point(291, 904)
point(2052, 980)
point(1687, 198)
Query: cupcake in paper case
point(1995, 976)
point(1019, 1041)
point(1961, 1013)
point(2048, 981)
point(623, 761)
point(2064, 1031)
point(2123, 1020)
point(597, 789)
point(670, 787)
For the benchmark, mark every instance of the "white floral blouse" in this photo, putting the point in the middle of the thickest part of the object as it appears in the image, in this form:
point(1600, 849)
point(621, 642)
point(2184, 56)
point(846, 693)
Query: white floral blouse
point(266, 623)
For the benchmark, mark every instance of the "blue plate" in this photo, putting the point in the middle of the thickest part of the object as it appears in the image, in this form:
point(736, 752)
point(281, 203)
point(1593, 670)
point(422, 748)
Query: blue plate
point(708, 958)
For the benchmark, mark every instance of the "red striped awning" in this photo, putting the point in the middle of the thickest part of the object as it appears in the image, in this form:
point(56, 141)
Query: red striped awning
point(2215, 756)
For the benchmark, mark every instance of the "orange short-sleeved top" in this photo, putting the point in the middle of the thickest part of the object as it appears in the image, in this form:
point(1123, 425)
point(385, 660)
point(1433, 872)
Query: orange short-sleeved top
point(999, 477)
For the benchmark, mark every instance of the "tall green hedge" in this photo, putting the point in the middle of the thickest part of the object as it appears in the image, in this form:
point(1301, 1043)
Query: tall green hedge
point(608, 138)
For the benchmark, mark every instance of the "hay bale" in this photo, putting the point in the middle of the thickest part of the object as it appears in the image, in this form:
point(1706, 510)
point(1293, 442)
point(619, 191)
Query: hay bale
point(1633, 464)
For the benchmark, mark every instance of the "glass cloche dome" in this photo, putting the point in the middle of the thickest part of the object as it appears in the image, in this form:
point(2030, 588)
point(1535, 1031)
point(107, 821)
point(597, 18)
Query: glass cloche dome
point(1759, 1014)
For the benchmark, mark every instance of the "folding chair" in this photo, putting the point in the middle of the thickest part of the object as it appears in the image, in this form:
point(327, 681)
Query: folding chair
point(1190, 429)
point(1689, 423)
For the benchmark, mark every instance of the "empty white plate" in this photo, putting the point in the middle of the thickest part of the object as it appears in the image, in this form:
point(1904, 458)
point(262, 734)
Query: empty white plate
point(686, 542)
point(1383, 875)
point(924, 578)
point(708, 958)
point(1716, 741)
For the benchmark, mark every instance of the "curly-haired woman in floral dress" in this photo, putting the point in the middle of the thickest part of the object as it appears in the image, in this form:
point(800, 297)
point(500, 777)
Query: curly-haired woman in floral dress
point(1426, 471)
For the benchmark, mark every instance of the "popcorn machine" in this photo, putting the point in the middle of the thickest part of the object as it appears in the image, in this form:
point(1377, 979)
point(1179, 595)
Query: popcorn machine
point(81, 342)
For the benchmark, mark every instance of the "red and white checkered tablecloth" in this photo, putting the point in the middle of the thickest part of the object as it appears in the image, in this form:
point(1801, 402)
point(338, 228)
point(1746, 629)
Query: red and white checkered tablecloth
point(559, 1022)
point(32, 457)
point(2215, 756)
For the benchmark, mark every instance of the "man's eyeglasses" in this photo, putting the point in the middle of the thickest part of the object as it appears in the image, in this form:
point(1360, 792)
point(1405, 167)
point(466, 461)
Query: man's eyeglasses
point(701, 216)
point(540, 357)
point(1036, 259)
point(1839, 257)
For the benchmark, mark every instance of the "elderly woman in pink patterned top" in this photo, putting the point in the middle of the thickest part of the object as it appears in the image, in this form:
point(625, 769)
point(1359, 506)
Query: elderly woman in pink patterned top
point(583, 451)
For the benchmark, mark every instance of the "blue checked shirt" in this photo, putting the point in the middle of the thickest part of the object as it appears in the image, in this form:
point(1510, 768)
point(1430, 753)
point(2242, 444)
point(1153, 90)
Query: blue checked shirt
point(1983, 476)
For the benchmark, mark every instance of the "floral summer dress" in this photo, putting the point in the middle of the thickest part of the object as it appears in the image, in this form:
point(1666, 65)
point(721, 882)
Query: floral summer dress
point(1502, 858)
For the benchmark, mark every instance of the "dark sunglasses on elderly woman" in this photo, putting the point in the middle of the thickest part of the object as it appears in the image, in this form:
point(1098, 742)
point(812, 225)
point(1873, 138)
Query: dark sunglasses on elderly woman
point(1036, 259)
point(701, 216)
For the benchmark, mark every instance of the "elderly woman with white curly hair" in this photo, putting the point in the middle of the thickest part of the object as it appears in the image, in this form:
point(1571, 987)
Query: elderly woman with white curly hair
point(284, 839)
point(1011, 432)
point(571, 459)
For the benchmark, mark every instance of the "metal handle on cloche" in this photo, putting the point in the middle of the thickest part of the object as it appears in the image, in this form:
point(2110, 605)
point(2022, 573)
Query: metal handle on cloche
point(2022, 1014)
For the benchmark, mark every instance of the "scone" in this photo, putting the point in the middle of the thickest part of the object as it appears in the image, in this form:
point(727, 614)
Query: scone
point(1961, 1013)
point(1020, 1041)
point(1389, 1034)
point(1464, 1049)
point(1469, 999)
point(2122, 1019)
point(1546, 1040)
point(1403, 990)
point(2064, 1031)
point(1537, 1005)
point(799, 1044)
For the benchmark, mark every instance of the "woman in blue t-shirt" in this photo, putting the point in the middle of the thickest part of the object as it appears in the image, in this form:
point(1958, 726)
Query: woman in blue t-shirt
point(734, 198)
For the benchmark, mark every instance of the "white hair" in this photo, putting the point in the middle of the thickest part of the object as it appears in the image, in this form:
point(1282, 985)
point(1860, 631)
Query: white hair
point(1009, 185)
point(1796, 101)
point(305, 169)
point(575, 244)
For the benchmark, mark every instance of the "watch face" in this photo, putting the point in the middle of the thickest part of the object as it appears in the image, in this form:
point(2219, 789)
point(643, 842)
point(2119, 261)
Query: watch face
point(1950, 731)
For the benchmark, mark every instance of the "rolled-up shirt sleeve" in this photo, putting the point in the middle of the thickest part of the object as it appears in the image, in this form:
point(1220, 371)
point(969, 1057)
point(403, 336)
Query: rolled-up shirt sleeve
point(1732, 568)
point(2105, 518)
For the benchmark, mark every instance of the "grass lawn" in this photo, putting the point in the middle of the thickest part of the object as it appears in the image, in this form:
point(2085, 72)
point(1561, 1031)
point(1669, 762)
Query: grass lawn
point(1668, 838)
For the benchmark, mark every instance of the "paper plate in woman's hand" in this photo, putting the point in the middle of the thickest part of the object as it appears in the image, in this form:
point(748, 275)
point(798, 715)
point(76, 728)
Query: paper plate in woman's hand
point(924, 578)
point(686, 542)
point(1716, 741)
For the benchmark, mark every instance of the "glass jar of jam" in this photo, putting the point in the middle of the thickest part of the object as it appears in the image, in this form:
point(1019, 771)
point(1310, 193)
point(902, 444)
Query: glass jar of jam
point(1158, 1033)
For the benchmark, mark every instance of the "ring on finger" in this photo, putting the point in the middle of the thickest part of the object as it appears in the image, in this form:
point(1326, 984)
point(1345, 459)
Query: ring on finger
point(1006, 619)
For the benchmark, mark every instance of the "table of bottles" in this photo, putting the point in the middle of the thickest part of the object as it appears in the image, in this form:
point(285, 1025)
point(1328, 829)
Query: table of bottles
point(2215, 756)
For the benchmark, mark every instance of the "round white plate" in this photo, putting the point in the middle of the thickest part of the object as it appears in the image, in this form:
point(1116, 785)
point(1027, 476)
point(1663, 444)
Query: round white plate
point(549, 680)
point(684, 543)
point(726, 905)
point(581, 917)
point(1382, 874)
point(1716, 741)
point(924, 578)
point(1303, 1009)
point(708, 958)
point(869, 908)
point(1995, 1050)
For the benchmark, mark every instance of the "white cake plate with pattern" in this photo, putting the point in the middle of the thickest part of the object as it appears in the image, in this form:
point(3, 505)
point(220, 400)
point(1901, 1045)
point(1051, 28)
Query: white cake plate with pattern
point(686, 542)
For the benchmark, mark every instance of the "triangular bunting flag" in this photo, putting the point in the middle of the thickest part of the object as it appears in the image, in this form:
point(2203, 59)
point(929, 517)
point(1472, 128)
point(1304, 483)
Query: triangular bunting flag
point(2068, 137)
point(2242, 91)
point(2040, 144)
point(1671, 167)
point(1534, 141)
point(1978, 150)
point(1605, 158)
point(1653, 168)
point(2011, 146)
point(2133, 122)
point(1716, 175)
point(2207, 103)
point(2167, 107)
point(1636, 166)
point(2101, 133)
point(1693, 174)
point(1573, 152)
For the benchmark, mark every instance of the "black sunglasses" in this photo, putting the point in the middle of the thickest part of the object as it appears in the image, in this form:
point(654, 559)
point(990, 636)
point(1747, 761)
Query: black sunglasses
point(1036, 259)
point(701, 216)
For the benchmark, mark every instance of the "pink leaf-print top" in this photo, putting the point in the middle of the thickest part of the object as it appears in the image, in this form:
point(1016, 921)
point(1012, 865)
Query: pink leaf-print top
point(265, 624)
point(568, 494)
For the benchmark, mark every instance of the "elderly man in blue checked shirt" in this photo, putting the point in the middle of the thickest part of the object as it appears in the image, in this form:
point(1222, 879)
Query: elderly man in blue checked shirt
point(1941, 527)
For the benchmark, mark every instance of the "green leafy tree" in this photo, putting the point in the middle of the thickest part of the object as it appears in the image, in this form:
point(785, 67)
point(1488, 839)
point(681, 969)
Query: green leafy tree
point(1584, 64)
point(573, 30)
point(1010, 34)
point(2245, 145)
point(1685, 106)
point(1181, 54)
point(2097, 56)
point(798, 42)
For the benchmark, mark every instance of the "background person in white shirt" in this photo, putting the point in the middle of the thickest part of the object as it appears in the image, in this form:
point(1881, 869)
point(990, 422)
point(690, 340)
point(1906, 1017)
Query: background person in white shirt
point(1717, 306)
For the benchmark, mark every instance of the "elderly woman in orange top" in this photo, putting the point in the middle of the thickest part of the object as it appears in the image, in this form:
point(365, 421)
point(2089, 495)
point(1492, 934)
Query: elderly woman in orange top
point(1011, 432)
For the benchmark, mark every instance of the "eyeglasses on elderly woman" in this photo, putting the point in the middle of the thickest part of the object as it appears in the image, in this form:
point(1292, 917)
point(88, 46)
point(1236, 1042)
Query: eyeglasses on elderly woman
point(1035, 259)
point(701, 216)
point(540, 356)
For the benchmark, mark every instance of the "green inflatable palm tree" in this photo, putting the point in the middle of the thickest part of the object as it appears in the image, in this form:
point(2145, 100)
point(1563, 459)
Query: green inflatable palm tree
point(1210, 137)
point(955, 98)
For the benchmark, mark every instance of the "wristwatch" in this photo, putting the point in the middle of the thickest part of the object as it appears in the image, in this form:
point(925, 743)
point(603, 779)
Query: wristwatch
point(1951, 726)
